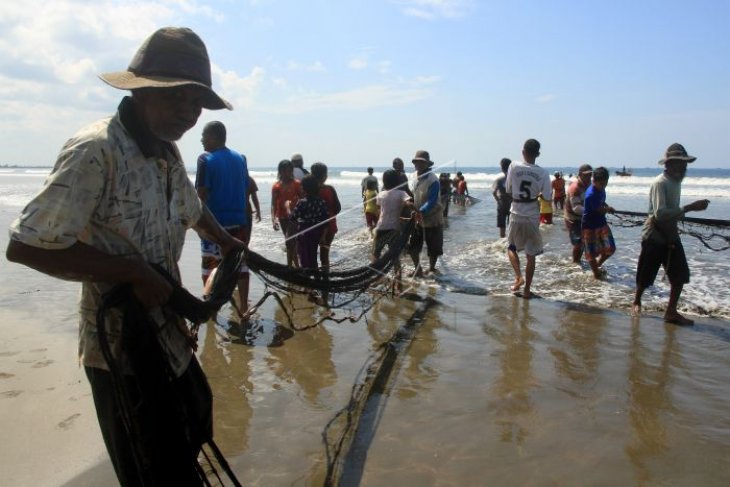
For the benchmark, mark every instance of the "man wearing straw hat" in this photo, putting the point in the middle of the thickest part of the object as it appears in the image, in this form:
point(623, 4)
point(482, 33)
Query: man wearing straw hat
point(429, 214)
point(660, 242)
point(118, 200)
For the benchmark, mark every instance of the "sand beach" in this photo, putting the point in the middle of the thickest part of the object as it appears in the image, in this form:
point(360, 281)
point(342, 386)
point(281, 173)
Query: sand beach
point(488, 389)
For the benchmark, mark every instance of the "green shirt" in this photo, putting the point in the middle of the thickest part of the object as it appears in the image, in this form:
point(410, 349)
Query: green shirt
point(664, 211)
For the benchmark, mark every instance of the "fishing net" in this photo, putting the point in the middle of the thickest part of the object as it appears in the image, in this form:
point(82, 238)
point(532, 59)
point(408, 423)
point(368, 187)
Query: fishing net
point(352, 290)
point(713, 234)
point(347, 436)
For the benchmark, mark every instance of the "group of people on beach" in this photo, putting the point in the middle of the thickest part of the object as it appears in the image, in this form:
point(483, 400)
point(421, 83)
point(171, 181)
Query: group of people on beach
point(524, 183)
point(117, 205)
point(306, 211)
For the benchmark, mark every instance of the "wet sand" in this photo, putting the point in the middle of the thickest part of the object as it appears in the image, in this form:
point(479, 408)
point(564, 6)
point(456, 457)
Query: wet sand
point(50, 433)
point(490, 390)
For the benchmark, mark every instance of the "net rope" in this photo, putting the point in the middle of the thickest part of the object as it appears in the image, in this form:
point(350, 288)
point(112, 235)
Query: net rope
point(713, 234)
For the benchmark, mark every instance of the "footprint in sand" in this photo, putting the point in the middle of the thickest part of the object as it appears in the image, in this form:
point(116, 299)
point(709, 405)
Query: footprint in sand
point(42, 363)
point(5, 375)
point(39, 350)
point(10, 393)
point(68, 422)
point(8, 354)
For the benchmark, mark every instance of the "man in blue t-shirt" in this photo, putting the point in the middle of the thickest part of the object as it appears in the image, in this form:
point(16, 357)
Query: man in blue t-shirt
point(222, 184)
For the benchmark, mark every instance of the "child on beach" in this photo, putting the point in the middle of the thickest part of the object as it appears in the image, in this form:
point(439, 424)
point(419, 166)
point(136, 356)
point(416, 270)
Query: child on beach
point(546, 210)
point(371, 206)
point(329, 195)
point(598, 243)
point(310, 214)
point(284, 195)
point(391, 201)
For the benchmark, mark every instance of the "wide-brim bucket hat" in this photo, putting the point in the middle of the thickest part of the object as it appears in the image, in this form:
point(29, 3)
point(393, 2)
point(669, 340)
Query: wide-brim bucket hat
point(170, 57)
point(423, 156)
point(676, 152)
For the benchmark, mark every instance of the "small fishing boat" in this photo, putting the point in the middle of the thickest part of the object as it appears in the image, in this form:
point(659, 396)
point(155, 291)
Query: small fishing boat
point(623, 172)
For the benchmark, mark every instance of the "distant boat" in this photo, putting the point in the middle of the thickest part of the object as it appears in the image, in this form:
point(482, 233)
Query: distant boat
point(623, 172)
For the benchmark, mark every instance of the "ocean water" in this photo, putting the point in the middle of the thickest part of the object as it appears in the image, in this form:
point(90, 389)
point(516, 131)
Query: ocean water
point(474, 257)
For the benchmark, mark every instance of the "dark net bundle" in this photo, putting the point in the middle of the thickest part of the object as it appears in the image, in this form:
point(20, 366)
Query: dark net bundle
point(354, 290)
point(349, 281)
point(712, 233)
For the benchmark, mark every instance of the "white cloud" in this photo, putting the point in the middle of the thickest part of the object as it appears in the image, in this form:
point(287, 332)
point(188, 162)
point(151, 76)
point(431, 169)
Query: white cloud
point(51, 52)
point(427, 80)
point(241, 91)
point(419, 13)
point(546, 98)
point(315, 67)
point(193, 8)
point(433, 9)
point(357, 63)
point(384, 67)
point(60, 38)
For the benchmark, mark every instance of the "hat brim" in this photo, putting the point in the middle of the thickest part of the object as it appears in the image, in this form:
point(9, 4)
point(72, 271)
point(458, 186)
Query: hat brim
point(420, 159)
point(687, 159)
point(126, 80)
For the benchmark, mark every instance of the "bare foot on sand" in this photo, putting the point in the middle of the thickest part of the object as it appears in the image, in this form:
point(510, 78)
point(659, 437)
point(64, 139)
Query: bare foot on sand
point(678, 319)
point(636, 310)
point(524, 295)
point(518, 284)
point(600, 274)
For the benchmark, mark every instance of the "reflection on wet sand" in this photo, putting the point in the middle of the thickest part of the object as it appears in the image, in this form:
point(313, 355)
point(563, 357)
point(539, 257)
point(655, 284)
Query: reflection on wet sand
point(649, 401)
point(417, 374)
point(512, 407)
point(305, 359)
point(578, 359)
point(228, 369)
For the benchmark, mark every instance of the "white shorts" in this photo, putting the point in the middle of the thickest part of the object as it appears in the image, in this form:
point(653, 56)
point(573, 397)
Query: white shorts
point(523, 233)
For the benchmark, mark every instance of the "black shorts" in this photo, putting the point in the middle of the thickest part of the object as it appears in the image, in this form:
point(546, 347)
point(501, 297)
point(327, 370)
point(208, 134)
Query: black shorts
point(434, 237)
point(502, 217)
point(653, 255)
point(168, 455)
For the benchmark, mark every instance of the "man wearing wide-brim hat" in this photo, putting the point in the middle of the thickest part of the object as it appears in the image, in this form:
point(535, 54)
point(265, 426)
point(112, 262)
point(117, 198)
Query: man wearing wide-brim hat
point(118, 200)
point(660, 242)
point(429, 214)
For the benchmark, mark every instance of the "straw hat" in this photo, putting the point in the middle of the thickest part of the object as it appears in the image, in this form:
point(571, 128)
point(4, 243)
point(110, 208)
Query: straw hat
point(172, 56)
point(676, 152)
point(422, 156)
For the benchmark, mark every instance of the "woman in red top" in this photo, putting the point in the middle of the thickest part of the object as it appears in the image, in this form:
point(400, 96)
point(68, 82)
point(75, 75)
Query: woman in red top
point(329, 195)
point(284, 195)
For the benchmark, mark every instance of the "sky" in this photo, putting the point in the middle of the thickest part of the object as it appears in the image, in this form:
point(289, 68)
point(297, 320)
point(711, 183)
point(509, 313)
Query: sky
point(357, 83)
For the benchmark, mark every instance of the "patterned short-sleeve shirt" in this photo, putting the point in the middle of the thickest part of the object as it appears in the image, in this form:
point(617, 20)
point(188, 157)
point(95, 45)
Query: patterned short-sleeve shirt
point(104, 192)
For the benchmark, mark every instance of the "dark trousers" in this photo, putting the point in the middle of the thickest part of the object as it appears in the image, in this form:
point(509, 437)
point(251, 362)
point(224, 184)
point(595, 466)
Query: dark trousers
point(167, 458)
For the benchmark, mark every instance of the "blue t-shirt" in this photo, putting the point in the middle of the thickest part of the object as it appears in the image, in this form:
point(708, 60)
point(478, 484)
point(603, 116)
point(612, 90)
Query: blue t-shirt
point(224, 173)
point(595, 199)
